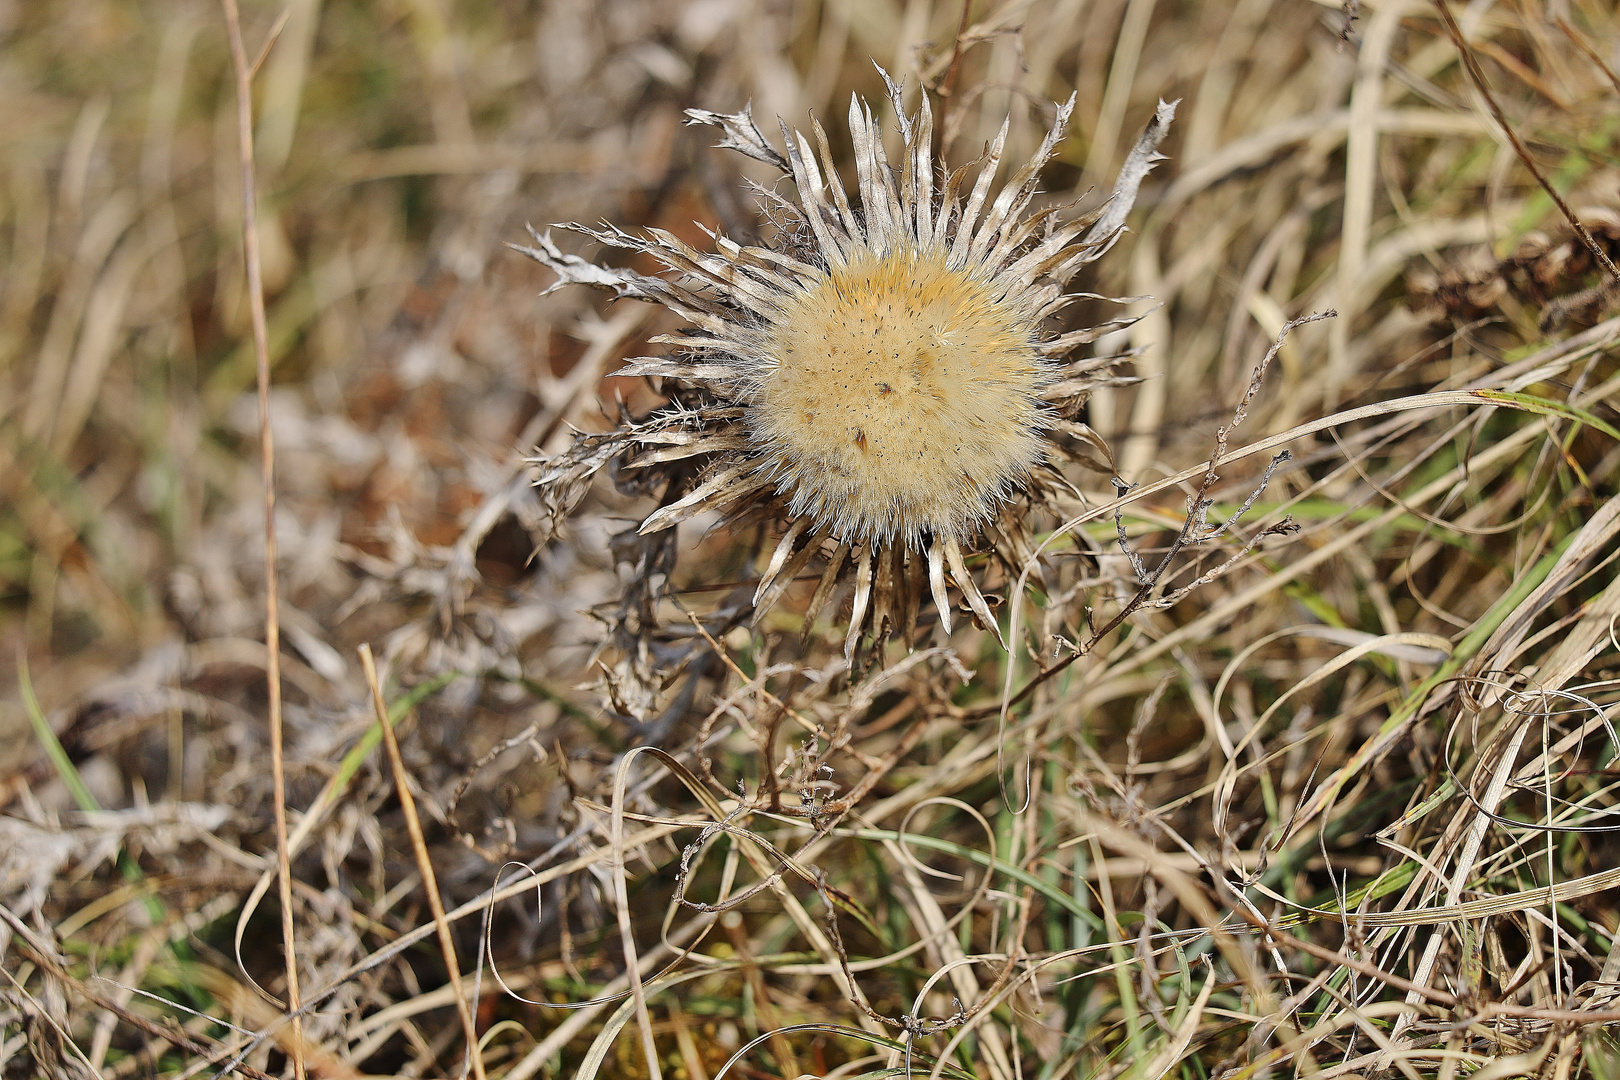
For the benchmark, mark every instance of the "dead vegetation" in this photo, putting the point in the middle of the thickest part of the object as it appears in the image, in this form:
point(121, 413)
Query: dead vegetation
point(1343, 809)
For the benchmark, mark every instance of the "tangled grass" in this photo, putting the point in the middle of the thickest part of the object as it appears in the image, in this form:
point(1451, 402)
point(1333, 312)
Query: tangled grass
point(1301, 758)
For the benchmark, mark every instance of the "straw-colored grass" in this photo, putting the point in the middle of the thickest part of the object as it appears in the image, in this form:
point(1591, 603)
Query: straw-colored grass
point(1297, 764)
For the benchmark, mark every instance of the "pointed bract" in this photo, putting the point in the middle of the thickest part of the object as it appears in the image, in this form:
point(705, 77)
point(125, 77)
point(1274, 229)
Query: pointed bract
point(880, 379)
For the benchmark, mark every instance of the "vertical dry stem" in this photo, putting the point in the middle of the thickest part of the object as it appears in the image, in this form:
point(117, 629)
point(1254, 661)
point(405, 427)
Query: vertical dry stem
point(430, 883)
point(272, 618)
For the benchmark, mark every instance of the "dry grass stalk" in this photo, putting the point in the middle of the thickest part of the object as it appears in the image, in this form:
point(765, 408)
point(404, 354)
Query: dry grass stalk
point(424, 862)
point(272, 616)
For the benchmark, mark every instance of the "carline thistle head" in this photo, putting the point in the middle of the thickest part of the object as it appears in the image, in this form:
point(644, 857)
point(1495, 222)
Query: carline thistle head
point(879, 380)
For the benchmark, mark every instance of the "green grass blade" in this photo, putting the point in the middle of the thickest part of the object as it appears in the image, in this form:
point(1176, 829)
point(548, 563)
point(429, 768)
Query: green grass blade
point(53, 746)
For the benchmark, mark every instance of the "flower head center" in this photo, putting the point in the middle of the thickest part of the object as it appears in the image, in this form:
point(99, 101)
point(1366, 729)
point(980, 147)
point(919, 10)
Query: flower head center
point(902, 400)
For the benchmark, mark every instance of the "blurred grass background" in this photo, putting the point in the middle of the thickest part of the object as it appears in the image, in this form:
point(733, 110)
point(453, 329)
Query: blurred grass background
point(1323, 156)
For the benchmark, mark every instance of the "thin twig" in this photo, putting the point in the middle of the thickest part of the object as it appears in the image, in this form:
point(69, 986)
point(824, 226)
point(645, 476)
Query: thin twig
point(1590, 53)
point(270, 40)
point(1194, 530)
point(272, 617)
point(950, 110)
point(1223, 435)
point(424, 865)
point(1478, 78)
point(948, 86)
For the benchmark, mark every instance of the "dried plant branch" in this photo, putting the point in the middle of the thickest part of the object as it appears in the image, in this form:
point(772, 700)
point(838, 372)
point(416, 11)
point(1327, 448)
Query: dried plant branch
point(1194, 530)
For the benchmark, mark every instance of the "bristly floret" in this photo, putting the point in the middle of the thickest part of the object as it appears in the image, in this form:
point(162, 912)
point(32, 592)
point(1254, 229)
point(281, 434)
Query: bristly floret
point(898, 399)
point(881, 378)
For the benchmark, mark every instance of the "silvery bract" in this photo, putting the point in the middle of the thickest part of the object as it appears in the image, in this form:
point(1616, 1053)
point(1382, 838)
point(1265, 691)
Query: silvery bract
point(880, 380)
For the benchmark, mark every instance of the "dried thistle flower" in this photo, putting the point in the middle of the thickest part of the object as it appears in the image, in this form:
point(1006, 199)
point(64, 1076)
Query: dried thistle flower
point(880, 379)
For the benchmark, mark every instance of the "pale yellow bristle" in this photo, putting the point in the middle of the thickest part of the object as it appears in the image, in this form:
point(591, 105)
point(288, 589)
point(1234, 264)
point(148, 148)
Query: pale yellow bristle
point(900, 399)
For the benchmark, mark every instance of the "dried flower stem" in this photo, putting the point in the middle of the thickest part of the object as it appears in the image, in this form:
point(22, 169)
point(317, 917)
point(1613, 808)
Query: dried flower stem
point(424, 865)
point(272, 617)
point(1196, 529)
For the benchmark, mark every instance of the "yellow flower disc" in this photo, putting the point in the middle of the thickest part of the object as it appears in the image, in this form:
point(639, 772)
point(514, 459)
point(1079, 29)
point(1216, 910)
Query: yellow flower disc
point(902, 398)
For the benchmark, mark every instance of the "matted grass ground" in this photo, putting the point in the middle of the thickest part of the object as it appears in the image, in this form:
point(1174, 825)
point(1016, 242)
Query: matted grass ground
point(1343, 809)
